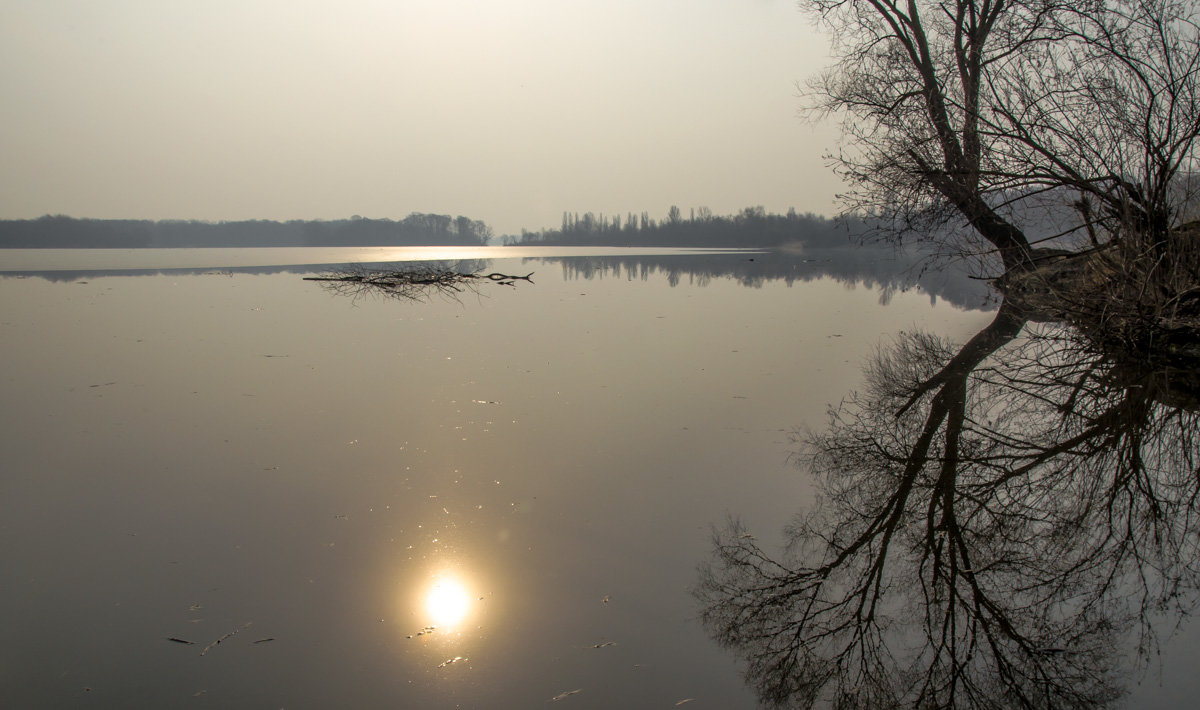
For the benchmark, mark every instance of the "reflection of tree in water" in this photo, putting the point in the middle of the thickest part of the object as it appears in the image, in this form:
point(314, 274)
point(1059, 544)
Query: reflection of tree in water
point(997, 522)
point(419, 281)
point(882, 268)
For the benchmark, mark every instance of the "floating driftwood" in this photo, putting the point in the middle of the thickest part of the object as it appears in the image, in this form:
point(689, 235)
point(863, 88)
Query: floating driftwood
point(226, 636)
point(412, 283)
point(424, 630)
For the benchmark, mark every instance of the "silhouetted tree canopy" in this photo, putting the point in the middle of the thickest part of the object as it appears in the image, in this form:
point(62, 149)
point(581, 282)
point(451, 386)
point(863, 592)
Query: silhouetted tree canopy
point(1005, 522)
point(414, 230)
point(1000, 114)
point(752, 227)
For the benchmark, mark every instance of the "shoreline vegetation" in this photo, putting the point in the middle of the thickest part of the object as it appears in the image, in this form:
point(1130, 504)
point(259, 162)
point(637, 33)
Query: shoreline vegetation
point(751, 227)
point(417, 229)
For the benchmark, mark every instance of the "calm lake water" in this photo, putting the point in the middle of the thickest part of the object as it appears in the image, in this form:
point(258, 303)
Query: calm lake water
point(494, 501)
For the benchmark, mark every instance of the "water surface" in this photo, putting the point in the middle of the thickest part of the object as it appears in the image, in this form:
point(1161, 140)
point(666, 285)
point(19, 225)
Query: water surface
point(489, 501)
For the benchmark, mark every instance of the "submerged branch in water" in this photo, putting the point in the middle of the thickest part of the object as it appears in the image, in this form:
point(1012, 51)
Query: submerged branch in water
point(417, 283)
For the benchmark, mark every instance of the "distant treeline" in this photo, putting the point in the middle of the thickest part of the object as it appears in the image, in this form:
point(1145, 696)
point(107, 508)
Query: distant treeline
point(67, 232)
point(752, 227)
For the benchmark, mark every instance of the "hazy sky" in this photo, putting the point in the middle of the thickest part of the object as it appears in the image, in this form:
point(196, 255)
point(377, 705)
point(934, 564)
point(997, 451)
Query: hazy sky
point(510, 111)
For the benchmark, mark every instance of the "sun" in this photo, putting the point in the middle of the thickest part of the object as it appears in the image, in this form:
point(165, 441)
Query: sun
point(447, 602)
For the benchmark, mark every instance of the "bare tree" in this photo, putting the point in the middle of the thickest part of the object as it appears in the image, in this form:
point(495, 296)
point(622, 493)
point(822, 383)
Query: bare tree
point(996, 519)
point(973, 109)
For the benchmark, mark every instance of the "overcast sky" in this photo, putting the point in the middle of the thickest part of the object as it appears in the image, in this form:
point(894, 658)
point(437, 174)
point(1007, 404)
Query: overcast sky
point(509, 111)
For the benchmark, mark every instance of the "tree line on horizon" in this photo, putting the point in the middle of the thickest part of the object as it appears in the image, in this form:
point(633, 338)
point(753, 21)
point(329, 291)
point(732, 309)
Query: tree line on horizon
point(60, 231)
point(751, 227)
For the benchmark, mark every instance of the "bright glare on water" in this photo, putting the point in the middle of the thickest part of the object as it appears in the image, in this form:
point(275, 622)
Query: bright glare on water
point(447, 602)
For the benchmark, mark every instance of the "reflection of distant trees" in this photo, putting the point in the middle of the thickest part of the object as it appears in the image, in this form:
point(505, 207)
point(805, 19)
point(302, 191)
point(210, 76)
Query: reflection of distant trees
point(880, 268)
point(997, 522)
point(472, 265)
point(83, 274)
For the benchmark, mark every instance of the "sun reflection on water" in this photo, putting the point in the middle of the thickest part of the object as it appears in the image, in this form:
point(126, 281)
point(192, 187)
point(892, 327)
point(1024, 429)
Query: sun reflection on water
point(447, 602)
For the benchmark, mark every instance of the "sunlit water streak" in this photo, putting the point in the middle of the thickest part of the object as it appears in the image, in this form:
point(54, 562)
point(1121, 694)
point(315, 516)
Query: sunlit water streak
point(16, 260)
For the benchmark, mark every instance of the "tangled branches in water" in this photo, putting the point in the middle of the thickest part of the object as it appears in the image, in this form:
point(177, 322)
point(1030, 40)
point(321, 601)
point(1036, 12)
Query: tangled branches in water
point(412, 283)
point(1008, 523)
